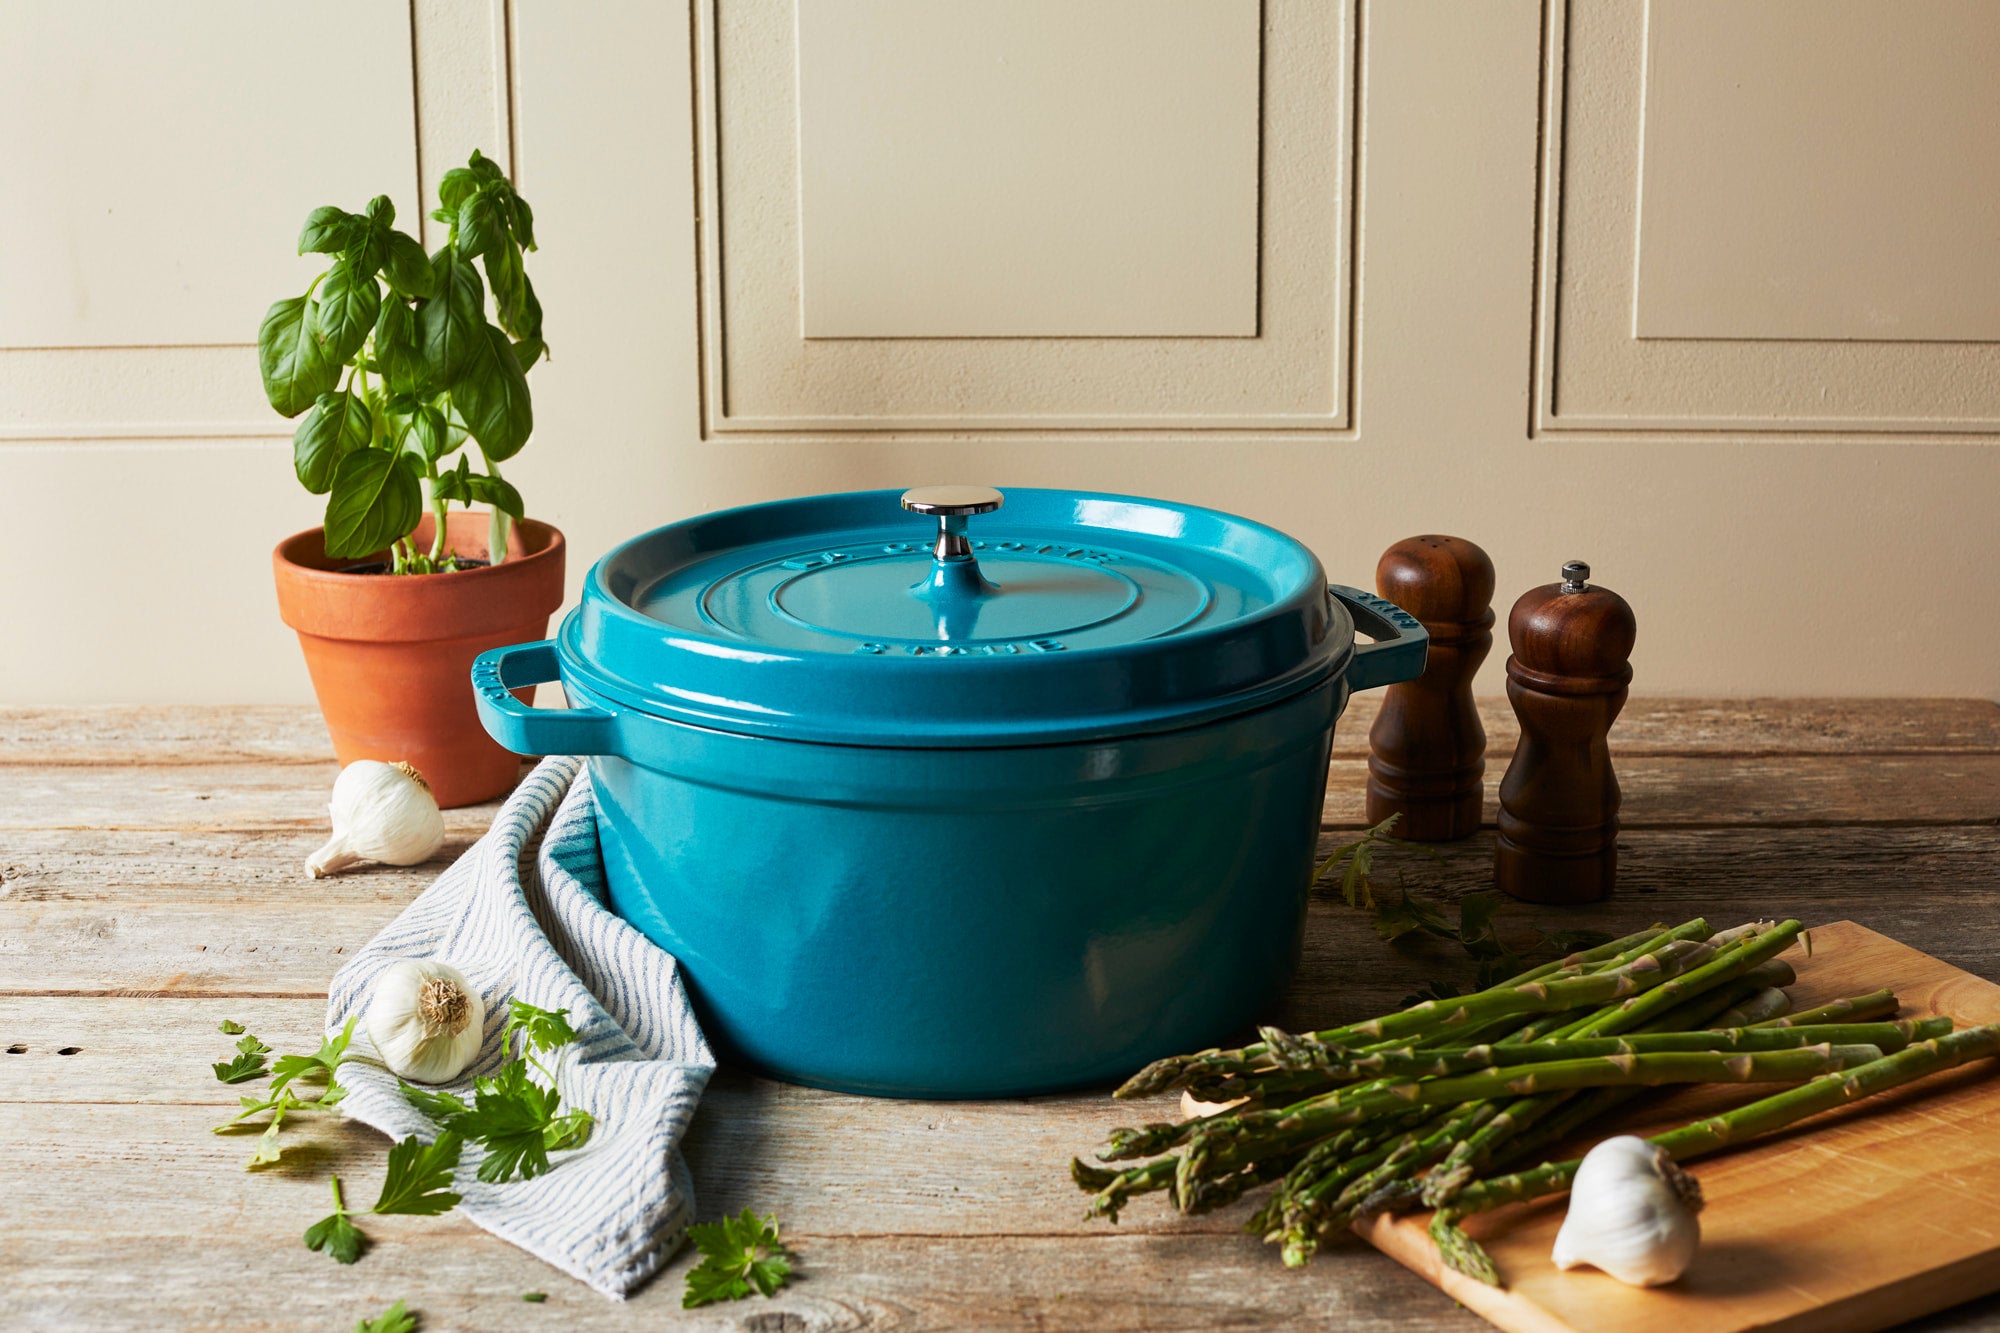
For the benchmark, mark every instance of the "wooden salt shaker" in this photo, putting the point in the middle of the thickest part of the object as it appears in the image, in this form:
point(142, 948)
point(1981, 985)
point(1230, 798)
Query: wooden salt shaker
point(1427, 749)
point(1567, 679)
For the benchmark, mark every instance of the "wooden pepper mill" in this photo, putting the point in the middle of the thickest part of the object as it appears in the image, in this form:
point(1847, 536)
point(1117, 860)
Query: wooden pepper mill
point(1567, 679)
point(1427, 749)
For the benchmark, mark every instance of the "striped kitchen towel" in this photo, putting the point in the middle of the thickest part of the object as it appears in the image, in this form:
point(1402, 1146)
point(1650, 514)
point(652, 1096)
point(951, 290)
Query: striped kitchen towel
point(534, 926)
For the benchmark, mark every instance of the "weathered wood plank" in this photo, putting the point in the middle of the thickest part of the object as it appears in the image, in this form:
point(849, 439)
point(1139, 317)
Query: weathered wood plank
point(244, 926)
point(207, 734)
point(1716, 727)
point(459, 1278)
point(1660, 792)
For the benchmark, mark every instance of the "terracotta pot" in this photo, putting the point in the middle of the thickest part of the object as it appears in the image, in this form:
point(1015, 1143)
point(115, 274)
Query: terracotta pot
point(391, 656)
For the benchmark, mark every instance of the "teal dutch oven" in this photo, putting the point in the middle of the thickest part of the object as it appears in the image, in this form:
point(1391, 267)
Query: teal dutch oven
point(949, 799)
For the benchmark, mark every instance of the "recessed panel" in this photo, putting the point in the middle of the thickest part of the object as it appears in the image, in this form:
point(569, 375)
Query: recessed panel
point(1039, 168)
point(157, 160)
point(1820, 169)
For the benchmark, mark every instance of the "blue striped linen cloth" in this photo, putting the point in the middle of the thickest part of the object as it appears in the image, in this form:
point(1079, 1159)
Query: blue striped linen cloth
point(612, 1212)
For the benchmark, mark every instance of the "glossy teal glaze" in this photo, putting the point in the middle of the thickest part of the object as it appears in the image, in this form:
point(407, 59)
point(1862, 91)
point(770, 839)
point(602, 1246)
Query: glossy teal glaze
point(984, 917)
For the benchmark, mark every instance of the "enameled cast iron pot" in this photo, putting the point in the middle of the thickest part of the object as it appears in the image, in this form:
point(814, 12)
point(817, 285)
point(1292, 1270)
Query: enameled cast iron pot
point(930, 812)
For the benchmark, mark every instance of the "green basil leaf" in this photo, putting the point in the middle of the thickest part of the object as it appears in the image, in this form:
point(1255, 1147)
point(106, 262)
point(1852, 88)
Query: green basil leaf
point(296, 368)
point(375, 500)
point(509, 284)
point(349, 300)
point(432, 436)
point(396, 354)
point(382, 211)
point(453, 189)
point(338, 424)
point(452, 483)
point(498, 492)
point(330, 230)
point(530, 350)
point(492, 396)
point(408, 268)
point(482, 221)
point(449, 323)
point(486, 166)
point(524, 221)
point(531, 311)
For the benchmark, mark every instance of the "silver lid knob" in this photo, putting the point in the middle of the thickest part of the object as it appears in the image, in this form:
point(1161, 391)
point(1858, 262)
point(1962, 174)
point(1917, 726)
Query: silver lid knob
point(1576, 576)
point(952, 501)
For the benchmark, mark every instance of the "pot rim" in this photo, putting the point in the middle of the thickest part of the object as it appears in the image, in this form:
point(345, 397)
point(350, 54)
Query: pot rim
point(285, 554)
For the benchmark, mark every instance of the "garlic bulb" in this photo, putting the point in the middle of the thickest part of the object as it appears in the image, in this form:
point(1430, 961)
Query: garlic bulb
point(381, 812)
point(425, 1019)
point(1631, 1214)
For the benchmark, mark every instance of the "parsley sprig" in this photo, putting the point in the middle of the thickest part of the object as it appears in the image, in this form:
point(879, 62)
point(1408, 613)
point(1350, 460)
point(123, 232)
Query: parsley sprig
point(739, 1255)
point(418, 1182)
point(395, 1319)
point(518, 1121)
point(248, 1064)
point(282, 1098)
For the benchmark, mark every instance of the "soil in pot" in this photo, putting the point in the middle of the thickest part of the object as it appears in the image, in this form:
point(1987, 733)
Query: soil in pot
point(391, 655)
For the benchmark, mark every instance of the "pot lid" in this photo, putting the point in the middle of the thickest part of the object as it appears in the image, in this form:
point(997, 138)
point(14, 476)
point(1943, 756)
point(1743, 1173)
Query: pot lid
point(955, 616)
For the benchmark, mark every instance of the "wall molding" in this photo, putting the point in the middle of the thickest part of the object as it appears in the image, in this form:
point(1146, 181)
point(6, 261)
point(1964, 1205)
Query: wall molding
point(1555, 211)
point(714, 332)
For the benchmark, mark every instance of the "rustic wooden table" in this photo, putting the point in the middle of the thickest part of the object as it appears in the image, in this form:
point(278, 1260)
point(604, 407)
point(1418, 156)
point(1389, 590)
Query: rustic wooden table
point(150, 885)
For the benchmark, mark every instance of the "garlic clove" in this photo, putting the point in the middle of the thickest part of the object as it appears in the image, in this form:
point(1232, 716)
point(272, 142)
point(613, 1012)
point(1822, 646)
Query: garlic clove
point(1631, 1214)
point(381, 812)
point(426, 1020)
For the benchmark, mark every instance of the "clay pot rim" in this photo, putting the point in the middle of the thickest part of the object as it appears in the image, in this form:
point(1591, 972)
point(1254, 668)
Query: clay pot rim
point(286, 554)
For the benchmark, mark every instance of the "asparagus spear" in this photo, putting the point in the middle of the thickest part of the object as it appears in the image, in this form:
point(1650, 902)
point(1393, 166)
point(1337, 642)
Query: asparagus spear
point(1875, 1004)
point(1411, 1062)
point(1771, 1113)
point(1163, 1075)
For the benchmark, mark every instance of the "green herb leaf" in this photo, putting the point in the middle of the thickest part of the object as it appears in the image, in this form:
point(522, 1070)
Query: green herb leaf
point(739, 1255)
point(534, 1297)
point(408, 268)
point(523, 220)
point(452, 322)
point(348, 303)
point(485, 167)
point(543, 1029)
point(395, 352)
point(457, 185)
point(338, 424)
point(248, 1064)
point(295, 366)
point(436, 1104)
point(429, 433)
point(229, 1027)
point(395, 1319)
point(335, 1235)
point(482, 220)
point(419, 1177)
point(330, 230)
point(376, 499)
point(497, 492)
point(321, 1064)
point(514, 1119)
point(491, 393)
point(528, 351)
point(382, 211)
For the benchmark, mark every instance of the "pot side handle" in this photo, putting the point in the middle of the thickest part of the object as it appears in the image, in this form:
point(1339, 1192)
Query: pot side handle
point(1401, 643)
point(536, 731)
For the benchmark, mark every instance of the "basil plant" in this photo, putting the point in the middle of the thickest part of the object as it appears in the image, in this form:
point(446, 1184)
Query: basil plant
point(392, 366)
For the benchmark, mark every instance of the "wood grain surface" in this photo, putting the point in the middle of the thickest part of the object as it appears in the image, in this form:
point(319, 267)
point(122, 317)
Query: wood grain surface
point(1853, 1220)
point(151, 884)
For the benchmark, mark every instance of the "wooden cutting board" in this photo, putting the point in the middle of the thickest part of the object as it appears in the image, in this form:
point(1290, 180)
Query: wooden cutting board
point(1857, 1219)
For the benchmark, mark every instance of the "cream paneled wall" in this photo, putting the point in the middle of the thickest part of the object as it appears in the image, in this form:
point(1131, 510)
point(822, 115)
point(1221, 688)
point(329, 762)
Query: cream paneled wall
point(1453, 328)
